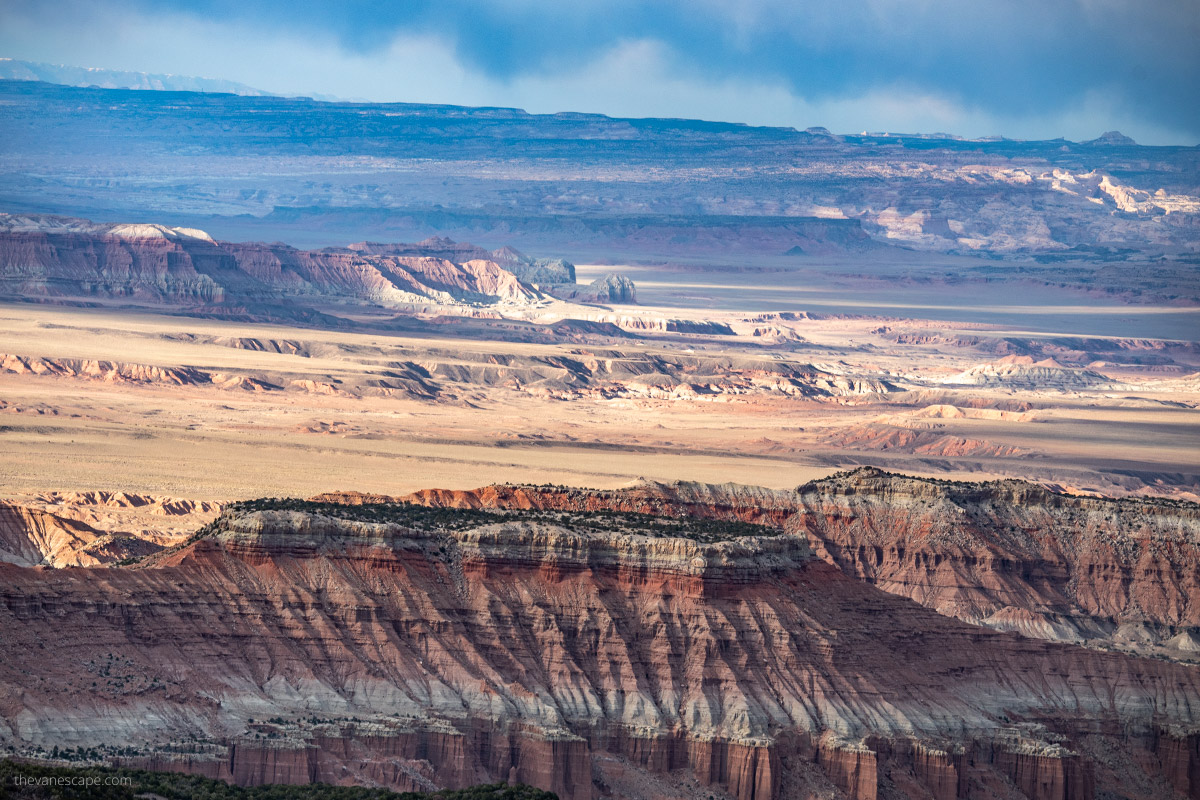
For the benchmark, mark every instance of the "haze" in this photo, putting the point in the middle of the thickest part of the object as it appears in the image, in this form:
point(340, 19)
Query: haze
point(1024, 70)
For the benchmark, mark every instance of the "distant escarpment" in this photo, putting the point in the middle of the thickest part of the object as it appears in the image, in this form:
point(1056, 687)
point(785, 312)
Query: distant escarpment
point(552, 637)
point(69, 260)
point(554, 276)
point(602, 374)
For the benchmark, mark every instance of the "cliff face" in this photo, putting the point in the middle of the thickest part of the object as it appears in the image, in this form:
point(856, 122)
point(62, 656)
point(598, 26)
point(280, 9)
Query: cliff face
point(153, 265)
point(1007, 555)
point(56, 263)
point(29, 537)
point(297, 646)
point(700, 501)
point(1013, 556)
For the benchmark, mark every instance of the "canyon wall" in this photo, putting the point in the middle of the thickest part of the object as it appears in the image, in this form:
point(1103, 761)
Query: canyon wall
point(1008, 555)
point(54, 258)
point(440, 650)
point(85, 529)
point(1014, 556)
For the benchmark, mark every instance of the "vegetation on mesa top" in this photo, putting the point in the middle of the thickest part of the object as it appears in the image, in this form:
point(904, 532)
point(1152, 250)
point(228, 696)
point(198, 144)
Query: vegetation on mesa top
point(976, 490)
point(428, 518)
point(28, 781)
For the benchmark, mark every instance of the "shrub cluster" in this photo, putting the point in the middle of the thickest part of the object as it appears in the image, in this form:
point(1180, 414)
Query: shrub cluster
point(428, 518)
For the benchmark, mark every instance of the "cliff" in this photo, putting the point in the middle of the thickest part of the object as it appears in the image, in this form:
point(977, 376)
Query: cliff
point(1014, 556)
point(56, 258)
point(1007, 555)
point(420, 646)
point(60, 529)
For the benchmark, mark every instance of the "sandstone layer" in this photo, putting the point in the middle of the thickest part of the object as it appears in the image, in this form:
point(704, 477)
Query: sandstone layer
point(419, 646)
point(1008, 555)
point(55, 258)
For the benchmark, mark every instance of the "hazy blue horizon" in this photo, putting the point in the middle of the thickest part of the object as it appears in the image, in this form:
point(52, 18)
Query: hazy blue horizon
point(1024, 71)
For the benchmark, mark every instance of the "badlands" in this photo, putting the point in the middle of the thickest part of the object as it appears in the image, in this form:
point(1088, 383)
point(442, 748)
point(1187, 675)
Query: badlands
point(423, 447)
point(394, 368)
point(752, 600)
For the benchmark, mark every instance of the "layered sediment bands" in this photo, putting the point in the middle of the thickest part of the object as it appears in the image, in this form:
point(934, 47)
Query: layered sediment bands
point(94, 263)
point(1004, 767)
point(32, 536)
point(299, 646)
point(414, 760)
point(1179, 754)
point(61, 529)
point(1043, 776)
point(679, 499)
point(1022, 372)
point(58, 258)
point(920, 441)
point(1014, 556)
point(1008, 555)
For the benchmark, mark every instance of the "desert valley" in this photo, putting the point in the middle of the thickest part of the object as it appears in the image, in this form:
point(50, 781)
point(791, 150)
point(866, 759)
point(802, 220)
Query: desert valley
point(419, 447)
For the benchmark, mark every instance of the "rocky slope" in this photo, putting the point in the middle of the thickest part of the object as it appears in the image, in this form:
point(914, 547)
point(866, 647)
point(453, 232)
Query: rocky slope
point(1022, 372)
point(55, 258)
point(60, 529)
point(1014, 556)
point(1007, 555)
point(919, 439)
point(555, 276)
point(418, 647)
point(597, 374)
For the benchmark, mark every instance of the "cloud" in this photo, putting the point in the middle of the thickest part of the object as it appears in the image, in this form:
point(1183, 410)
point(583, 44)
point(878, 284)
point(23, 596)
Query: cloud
point(1019, 68)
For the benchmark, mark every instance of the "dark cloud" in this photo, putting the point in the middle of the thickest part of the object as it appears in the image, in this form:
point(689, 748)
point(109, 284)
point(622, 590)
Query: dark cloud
point(1003, 57)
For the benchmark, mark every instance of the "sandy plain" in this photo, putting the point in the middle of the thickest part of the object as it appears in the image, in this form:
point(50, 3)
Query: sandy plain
point(782, 400)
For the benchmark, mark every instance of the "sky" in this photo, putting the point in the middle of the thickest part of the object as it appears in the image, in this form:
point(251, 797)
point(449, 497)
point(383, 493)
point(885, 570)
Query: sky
point(1028, 69)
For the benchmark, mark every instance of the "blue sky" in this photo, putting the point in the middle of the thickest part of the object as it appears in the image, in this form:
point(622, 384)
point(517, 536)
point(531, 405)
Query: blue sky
point(1018, 68)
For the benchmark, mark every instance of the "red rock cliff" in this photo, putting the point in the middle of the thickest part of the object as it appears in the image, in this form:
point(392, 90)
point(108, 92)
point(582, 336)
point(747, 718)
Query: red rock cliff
point(306, 647)
point(1008, 555)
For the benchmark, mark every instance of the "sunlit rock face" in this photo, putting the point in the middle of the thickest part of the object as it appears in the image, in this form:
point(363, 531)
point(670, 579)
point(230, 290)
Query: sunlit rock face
point(1007, 555)
point(687, 632)
point(64, 259)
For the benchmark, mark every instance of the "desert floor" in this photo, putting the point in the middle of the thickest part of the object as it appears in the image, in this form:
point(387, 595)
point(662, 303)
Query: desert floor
point(83, 407)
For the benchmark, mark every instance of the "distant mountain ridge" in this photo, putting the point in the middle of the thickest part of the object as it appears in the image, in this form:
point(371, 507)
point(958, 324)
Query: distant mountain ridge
point(67, 75)
point(102, 78)
point(635, 188)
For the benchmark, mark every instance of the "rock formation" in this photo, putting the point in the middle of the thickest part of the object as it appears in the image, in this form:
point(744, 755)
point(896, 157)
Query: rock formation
point(420, 646)
point(922, 441)
point(56, 258)
point(1022, 372)
point(1014, 556)
point(60, 529)
point(1007, 555)
point(609, 288)
point(597, 373)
